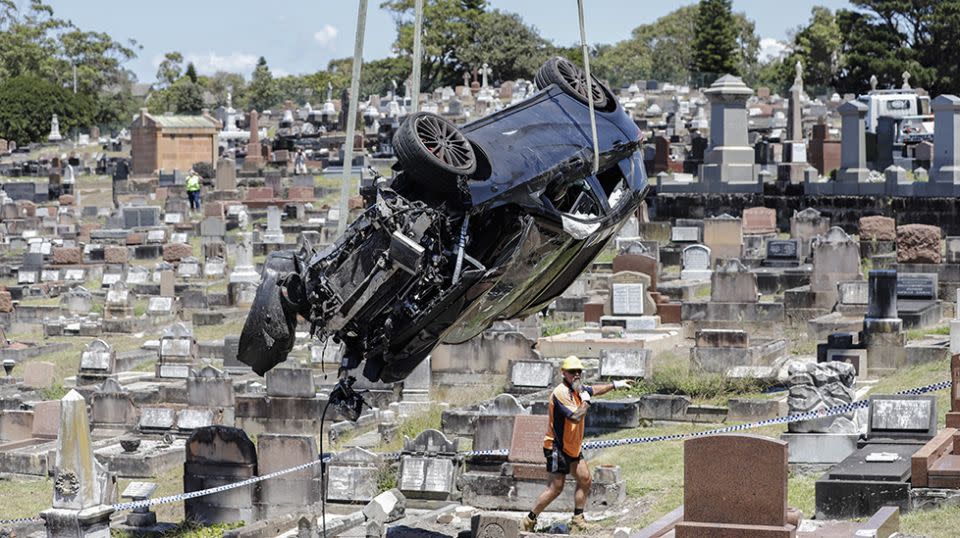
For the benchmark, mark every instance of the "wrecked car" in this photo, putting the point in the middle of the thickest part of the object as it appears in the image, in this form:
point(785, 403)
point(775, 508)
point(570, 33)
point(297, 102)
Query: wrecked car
point(485, 222)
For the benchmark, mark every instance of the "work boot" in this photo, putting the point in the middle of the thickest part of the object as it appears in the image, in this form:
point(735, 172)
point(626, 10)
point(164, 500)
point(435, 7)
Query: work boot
point(527, 524)
point(577, 523)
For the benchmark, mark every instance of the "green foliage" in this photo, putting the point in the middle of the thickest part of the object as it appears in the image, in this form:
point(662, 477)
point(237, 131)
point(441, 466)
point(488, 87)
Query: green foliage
point(222, 83)
point(715, 47)
point(27, 104)
point(511, 48)
point(191, 73)
point(55, 392)
point(665, 49)
point(451, 26)
point(817, 47)
point(182, 97)
point(204, 169)
point(262, 92)
point(715, 388)
point(33, 42)
point(887, 37)
point(170, 68)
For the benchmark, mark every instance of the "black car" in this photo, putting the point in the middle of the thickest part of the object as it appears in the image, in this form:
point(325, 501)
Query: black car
point(487, 222)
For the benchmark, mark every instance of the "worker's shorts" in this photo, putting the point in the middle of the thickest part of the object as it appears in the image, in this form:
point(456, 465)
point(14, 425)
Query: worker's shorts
point(558, 462)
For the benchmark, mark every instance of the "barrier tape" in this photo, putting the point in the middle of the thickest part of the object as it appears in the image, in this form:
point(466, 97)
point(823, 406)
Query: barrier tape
point(590, 445)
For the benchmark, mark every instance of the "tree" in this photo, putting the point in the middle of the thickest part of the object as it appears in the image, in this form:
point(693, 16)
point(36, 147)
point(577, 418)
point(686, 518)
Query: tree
point(715, 47)
point(169, 69)
point(450, 26)
point(191, 73)
point(221, 83)
point(262, 91)
point(511, 49)
point(28, 102)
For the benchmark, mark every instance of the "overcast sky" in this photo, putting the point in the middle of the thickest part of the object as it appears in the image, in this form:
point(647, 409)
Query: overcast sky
point(301, 36)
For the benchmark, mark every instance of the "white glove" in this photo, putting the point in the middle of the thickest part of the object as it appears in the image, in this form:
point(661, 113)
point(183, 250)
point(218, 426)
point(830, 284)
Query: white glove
point(585, 396)
point(621, 384)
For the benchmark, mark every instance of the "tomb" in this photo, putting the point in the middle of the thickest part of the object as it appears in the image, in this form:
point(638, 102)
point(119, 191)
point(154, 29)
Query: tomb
point(878, 473)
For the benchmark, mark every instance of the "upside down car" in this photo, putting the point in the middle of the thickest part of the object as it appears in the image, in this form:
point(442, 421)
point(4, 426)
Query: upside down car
point(485, 222)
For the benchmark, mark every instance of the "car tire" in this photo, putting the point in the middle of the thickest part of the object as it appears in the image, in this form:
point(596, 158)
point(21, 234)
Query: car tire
point(433, 151)
point(572, 80)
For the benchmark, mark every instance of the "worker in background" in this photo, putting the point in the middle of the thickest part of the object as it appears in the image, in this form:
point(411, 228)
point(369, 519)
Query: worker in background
point(566, 411)
point(193, 189)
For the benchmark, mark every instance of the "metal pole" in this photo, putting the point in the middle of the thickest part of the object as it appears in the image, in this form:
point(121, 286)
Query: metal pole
point(586, 70)
point(352, 117)
point(417, 54)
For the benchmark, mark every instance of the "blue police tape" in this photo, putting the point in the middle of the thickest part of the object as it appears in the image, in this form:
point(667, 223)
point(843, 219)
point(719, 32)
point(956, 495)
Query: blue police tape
point(590, 445)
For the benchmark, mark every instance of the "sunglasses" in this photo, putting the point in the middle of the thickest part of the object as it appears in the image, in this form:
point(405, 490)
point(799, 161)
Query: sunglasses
point(574, 372)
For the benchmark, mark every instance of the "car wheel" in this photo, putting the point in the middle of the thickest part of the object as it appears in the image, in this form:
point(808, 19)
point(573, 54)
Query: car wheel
point(572, 80)
point(431, 149)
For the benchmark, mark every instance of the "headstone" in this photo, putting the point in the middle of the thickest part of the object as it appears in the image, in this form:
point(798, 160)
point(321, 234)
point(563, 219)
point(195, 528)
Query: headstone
point(733, 283)
point(735, 485)
point(805, 225)
point(836, 258)
point(695, 261)
point(724, 236)
point(627, 364)
point(759, 221)
point(353, 475)
point(531, 374)
point(878, 228)
point(226, 175)
point(783, 250)
point(218, 455)
point(902, 417)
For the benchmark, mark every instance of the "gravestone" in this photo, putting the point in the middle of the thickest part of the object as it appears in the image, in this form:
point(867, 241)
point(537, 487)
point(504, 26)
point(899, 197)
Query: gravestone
point(226, 175)
point(531, 375)
point(734, 485)
point(178, 352)
point(724, 236)
point(625, 364)
point(733, 283)
point(290, 383)
point(878, 228)
point(685, 234)
point(81, 485)
point(292, 491)
point(217, 455)
point(902, 417)
point(352, 476)
point(759, 221)
point(806, 225)
point(696, 263)
point(836, 258)
point(97, 362)
point(782, 253)
point(428, 466)
point(945, 168)
point(112, 406)
point(494, 427)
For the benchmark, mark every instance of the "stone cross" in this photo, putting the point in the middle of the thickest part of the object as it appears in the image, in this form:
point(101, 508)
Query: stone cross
point(484, 72)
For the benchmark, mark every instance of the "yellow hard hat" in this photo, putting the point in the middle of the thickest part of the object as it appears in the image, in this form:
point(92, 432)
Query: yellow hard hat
point(572, 363)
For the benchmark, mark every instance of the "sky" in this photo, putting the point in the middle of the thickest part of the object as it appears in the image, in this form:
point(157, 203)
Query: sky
point(301, 36)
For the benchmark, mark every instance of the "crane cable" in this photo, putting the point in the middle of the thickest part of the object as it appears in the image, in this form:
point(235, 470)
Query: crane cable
point(586, 69)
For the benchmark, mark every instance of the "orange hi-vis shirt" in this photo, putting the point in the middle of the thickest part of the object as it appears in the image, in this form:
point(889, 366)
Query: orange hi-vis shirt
point(562, 431)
